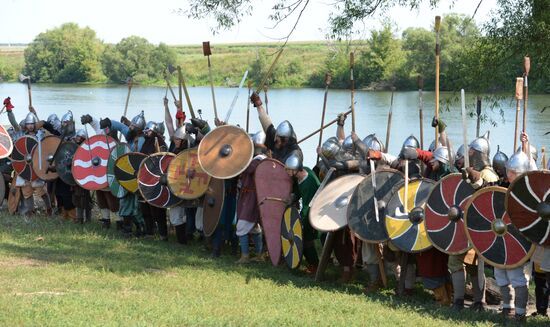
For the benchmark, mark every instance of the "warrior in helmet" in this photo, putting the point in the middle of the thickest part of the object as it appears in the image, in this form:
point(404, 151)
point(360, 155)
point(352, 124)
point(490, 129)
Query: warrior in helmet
point(499, 165)
point(306, 184)
point(282, 140)
point(248, 213)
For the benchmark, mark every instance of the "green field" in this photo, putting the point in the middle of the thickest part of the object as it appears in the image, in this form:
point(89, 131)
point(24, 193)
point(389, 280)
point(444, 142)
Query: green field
point(57, 273)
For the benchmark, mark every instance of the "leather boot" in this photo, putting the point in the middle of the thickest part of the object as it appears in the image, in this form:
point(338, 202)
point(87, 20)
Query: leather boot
point(127, 226)
point(441, 296)
point(181, 236)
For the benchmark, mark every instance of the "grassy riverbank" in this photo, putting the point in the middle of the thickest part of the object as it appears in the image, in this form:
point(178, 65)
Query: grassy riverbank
point(58, 273)
point(300, 62)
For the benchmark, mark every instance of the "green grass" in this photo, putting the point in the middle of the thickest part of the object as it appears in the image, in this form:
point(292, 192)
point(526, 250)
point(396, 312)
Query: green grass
point(57, 273)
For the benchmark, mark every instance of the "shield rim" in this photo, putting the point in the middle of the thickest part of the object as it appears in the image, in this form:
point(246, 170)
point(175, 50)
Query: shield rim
point(242, 169)
point(508, 195)
point(464, 221)
point(4, 131)
point(348, 214)
point(35, 153)
point(209, 176)
point(421, 179)
point(170, 154)
point(347, 205)
point(494, 264)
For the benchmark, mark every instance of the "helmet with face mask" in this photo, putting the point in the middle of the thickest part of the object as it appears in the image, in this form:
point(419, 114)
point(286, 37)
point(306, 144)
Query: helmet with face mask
point(499, 162)
point(411, 142)
point(481, 151)
point(441, 154)
point(139, 121)
point(534, 152)
point(284, 130)
point(518, 163)
point(294, 162)
point(55, 122)
point(373, 143)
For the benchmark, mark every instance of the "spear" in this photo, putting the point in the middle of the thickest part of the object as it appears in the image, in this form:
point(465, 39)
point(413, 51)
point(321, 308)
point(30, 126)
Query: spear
point(526, 68)
point(478, 113)
point(187, 98)
point(519, 97)
point(328, 79)
point(437, 54)
point(352, 82)
point(129, 82)
point(207, 52)
point(320, 129)
point(248, 105)
point(420, 81)
point(388, 127)
point(265, 98)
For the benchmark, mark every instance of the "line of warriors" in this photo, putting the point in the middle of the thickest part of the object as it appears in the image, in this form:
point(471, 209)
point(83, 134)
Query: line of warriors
point(240, 222)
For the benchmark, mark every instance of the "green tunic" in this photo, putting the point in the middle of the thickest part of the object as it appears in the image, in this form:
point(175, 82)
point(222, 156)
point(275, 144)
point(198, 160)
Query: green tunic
point(307, 189)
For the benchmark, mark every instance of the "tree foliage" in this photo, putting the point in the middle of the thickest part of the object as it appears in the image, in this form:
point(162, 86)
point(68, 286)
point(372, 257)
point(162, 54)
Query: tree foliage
point(137, 58)
point(65, 54)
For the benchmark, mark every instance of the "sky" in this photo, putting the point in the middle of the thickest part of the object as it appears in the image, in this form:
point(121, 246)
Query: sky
point(158, 20)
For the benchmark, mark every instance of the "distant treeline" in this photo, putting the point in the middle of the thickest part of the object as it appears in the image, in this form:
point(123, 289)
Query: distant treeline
point(71, 54)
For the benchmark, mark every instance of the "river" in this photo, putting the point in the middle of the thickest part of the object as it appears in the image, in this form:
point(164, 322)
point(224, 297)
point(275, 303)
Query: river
point(302, 107)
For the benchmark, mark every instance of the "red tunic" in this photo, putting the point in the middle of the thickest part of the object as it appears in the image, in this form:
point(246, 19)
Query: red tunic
point(432, 263)
point(247, 207)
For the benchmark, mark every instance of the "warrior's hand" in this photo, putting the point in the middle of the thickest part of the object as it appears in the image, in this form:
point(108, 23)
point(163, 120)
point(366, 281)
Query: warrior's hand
point(199, 123)
point(256, 100)
point(31, 109)
point(341, 119)
point(319, 150)
point(218, 122)
point(408, 153)
point(354, 136)
point(86, 119)
point(473, 174)
point(165, 101)
point(105, 123)
point(439, 123)
point(7, 104)
point(180, 115)
point(523, 137)
point(374, 155)
point(125, 121)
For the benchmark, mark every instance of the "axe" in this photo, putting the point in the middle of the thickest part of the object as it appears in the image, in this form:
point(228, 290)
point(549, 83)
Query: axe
point(27, 79)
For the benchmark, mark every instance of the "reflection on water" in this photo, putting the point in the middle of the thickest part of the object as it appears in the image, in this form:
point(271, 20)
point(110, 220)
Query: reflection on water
point(302, 107)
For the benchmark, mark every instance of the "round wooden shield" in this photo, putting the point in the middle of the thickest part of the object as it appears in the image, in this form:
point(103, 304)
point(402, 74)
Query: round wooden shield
point(328, 210)
point(63, 162)
point(90, 162)
point(407, 230)
point(273, 188)
point(213, 205)
point(291, 237)
point(41, 164)
point(21, 157)
point(444, 214)
point(153, 181)
point(186, 178)
point(6, 143)
point(126, 170)
point(225, 152)
point(491, 231)
point(528, 205)
point(114, 186)
point(362, 218)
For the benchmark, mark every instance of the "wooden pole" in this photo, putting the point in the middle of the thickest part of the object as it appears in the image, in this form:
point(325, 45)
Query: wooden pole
point(207, 52)
point(437, 55)
point(464, 129)
point(130, 83)
point(248, 105)
point(29, 91)
point(420, 109)
point(180, 85)
point(543, 154)
point(327, 125)
point(325, 256)
point(519, 97)
point(187, 98)
point(526, 68)
point(388, 127)
point(478, 113)
point(328, 79)
point(352, 82)
point(266, 99)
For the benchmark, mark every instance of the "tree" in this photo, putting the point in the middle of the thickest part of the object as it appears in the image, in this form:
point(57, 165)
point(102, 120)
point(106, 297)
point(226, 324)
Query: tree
point(135, 57)
point(65, 54)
